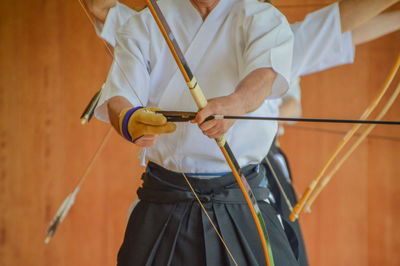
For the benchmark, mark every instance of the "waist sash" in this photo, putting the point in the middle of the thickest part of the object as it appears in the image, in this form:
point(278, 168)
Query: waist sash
point(163, 186)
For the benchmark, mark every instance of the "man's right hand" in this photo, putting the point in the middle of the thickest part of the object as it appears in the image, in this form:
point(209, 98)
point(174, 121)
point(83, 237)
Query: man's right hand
point(99, 8)
point(141, 125)
point(138, 5)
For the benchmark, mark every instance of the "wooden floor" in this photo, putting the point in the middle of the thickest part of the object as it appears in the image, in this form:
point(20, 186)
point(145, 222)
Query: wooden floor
point(51, 63)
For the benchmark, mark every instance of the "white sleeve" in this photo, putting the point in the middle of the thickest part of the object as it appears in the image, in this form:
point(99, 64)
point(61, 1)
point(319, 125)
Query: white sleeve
point(129, 75)
point(116, 17)
point(319, 43)
point(269, 44)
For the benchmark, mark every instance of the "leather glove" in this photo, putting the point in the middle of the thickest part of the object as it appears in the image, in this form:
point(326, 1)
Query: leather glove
point(138, 121)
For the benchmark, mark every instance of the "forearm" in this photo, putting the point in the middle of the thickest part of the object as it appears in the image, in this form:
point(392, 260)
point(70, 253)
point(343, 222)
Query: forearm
point(379, 26)
point(290, 107)
point(354, 13)
point(115, 105)
point(254, 89)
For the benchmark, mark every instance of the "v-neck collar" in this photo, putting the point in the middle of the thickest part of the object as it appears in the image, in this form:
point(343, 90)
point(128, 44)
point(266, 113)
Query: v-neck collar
point(214, 14)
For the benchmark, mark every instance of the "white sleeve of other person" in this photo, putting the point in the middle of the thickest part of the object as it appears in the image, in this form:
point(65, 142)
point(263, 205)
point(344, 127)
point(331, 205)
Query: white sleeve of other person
point(238, 37)
point(319, 43)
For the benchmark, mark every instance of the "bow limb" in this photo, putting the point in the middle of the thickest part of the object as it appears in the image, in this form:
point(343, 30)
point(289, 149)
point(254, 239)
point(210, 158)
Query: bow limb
point(310, 190)
point(201, 102)
point(329, 176)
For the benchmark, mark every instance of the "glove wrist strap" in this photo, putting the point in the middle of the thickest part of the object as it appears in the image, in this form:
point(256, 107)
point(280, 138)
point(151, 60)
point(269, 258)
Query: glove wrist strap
point(124, 122)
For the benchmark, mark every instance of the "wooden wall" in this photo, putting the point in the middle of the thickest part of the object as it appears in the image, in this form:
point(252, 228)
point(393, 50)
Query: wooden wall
point(52, 63)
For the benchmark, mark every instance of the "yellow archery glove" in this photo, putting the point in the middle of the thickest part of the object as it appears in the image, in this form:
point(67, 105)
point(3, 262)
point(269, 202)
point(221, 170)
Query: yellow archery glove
point(138, 121)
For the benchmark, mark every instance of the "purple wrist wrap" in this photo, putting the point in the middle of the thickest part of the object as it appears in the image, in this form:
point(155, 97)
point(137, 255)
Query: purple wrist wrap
point(125, 121)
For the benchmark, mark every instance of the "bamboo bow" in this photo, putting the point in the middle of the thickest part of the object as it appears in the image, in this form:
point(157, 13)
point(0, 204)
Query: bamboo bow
point(308, 196)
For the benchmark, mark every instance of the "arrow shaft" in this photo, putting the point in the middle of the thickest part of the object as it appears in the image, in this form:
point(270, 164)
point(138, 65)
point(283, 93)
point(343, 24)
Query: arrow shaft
point(177, 116)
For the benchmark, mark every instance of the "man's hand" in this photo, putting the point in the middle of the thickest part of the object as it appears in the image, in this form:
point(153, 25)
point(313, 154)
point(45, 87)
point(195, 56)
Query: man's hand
point(228, 105)
point(250, 94)
point(138, 5)
point(140, 125)
point(100, 8)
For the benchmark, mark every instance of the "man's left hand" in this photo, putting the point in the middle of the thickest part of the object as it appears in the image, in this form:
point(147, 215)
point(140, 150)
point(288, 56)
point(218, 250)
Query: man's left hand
point(227, 105)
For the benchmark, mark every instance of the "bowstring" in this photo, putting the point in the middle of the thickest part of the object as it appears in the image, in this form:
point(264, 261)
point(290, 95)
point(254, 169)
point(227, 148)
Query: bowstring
point(201, 205)
point(279, 184)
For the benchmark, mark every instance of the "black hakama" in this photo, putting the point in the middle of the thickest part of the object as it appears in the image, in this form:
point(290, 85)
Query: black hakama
point(168, 227)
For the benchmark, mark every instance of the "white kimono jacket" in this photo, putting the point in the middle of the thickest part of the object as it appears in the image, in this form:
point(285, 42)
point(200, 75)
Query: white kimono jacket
point(318, 41)
point(237, 37)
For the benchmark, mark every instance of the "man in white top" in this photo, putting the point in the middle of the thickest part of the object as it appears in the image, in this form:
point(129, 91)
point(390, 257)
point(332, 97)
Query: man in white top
point(199, 44)
point(241, 53)
point(325, 38)
point(319, 42)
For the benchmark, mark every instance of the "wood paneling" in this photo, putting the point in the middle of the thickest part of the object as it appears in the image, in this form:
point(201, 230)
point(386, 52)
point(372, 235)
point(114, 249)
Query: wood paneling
point(52, 63)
